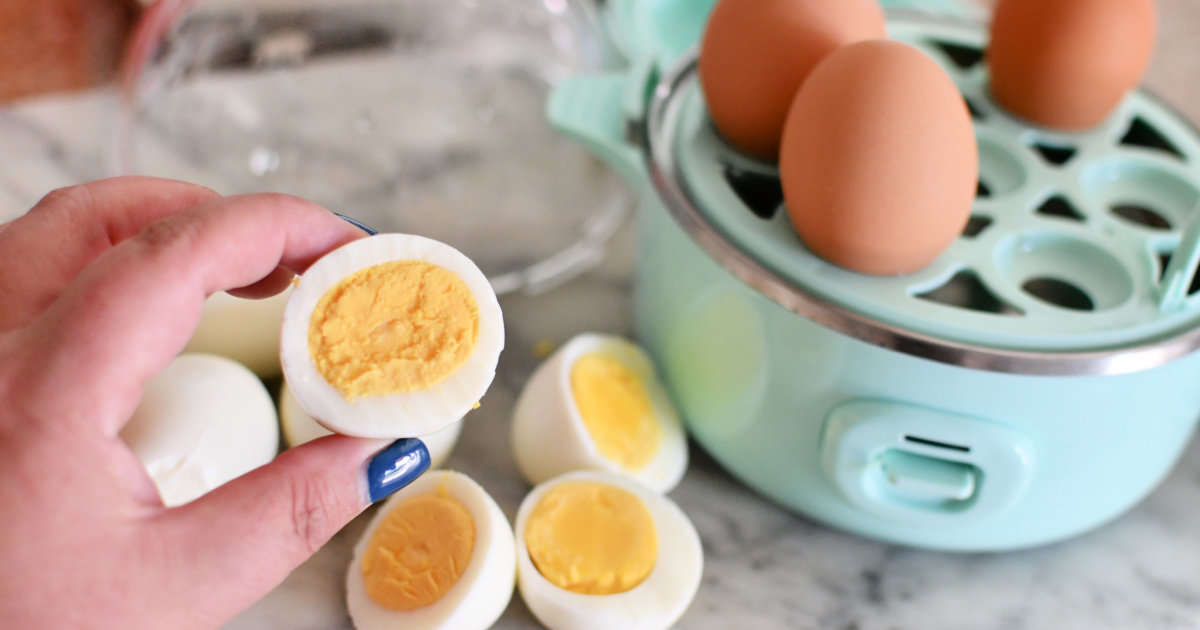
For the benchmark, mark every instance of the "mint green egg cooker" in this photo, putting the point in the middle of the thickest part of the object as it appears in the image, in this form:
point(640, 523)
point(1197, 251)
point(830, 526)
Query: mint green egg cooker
point(1034, 382)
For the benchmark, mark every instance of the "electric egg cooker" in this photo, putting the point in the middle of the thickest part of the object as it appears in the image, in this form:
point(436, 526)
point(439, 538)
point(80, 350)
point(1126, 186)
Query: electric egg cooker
point(1035, 381)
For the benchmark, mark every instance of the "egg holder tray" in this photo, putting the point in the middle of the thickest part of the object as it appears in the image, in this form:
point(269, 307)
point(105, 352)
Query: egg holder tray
point(1072, 244)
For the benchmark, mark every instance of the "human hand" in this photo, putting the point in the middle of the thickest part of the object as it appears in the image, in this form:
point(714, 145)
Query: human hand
point(101, 286)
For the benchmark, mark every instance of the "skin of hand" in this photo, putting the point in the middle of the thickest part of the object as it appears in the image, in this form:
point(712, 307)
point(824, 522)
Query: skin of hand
point(101, 286)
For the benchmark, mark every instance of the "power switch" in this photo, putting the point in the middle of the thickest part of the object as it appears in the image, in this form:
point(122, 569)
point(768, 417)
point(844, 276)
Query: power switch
point(927, 478)
point(899, 461)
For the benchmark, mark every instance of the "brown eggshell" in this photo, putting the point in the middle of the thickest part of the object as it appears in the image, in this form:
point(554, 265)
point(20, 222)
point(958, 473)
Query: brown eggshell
point(1066, 64)
point(879, 163)
point(755, 54)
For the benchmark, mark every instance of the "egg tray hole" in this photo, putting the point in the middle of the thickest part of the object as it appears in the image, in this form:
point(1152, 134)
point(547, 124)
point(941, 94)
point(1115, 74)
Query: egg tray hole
point(1144, 135)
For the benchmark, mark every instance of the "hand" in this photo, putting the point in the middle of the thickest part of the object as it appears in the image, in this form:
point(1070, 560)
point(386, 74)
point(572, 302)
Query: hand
point(101, 286)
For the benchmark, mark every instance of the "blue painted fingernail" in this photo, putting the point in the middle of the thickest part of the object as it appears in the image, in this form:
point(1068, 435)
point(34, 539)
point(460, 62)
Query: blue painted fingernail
point(358, 224)
point(395, 467)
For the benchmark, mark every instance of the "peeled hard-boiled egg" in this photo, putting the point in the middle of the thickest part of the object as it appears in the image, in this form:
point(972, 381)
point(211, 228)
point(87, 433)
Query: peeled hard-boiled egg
point(393, 335)
point(1066, 64)
point(439, 554)
point(879, 163)
point(202, 421)
point(596, 404)
point(755, 54)
point(299, 427)
point(244, 330)
point(600, 551)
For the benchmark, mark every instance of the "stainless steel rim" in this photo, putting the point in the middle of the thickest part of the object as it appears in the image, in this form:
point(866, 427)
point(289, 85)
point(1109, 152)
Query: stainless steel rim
point(657, 150)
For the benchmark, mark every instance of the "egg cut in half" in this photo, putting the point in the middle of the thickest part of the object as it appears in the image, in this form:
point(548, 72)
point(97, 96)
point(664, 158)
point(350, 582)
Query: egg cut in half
point(202, 421)
point(596, 404)
point(299, 427)
point(597, 551)
point(393, 335)
point(438, 555)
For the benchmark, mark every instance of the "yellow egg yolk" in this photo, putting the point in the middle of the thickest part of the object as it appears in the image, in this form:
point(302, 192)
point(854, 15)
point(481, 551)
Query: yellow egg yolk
point(397, 327)
point(591, 538)
point(418, 552)
point(615, 409)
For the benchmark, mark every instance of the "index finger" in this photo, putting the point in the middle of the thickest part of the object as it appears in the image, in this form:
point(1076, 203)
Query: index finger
point(134, 308)
point(42, 251)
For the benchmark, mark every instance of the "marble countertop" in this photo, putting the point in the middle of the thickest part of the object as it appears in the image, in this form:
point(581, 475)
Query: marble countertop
point(765, 567)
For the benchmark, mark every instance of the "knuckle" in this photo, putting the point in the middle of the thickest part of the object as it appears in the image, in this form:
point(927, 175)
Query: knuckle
point(165, 235)
point(315, 513)
point(72, 199)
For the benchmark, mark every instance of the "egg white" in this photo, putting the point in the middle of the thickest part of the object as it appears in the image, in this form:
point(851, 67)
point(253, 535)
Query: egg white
point(549, 437)
point(655, 604)
point(483, 590)
point(299, 427)
point(401, 414)
point(202, 421)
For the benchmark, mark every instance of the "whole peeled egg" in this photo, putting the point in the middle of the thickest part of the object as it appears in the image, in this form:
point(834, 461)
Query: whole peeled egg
point(202, 421)
point(755, 54)
point(1066, 64)
point(879, 163)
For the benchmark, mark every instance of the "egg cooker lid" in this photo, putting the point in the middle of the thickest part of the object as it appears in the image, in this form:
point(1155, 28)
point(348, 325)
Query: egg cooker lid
point(1060, 270)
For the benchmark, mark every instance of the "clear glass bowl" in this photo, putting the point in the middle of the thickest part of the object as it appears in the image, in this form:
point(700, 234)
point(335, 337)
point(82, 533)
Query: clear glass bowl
point(420, 116)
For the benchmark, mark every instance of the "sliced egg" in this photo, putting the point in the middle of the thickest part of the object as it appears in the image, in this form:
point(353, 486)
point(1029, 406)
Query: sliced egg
point(600, 551)
point(439, 554)
point(393, 335)
point(202, 421)
point(299, 427)
point(596, 404)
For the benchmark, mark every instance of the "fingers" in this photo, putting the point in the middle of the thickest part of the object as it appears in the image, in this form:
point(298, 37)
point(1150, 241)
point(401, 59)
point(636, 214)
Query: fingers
point(43, 251)
point(248, 534)
point(134, 308)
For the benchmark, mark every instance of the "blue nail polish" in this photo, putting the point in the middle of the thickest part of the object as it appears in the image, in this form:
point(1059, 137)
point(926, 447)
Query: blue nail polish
point(358, 224)
point(395, 467)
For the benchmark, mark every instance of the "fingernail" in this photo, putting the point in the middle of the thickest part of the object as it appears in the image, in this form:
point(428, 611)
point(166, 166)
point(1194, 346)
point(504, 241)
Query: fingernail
point(395, 467)
point(358, 224)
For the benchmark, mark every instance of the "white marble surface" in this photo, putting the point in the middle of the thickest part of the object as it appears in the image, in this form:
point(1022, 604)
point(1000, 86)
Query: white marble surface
point(764, 567)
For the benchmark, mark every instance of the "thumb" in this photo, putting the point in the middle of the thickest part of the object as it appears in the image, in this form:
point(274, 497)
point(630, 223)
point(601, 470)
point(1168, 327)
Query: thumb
point(242, 539)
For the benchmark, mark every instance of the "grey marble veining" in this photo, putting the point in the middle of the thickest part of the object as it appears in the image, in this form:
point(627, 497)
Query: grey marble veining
point(764, 567)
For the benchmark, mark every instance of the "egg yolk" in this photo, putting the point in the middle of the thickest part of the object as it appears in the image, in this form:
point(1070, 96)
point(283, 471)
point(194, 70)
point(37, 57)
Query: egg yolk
point(397, 327)
point(591, 538)
point(615, 409)
point(418, 552)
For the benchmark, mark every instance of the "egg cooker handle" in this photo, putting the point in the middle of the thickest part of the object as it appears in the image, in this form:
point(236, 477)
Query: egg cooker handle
point(910, 463)
point(605, 114)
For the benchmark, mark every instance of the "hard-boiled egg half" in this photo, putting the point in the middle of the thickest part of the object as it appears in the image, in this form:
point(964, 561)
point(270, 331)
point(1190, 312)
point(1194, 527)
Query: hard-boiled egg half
point(393, 335)
point(439, 554)
point(597, 404)
point(202, 421)
point(600, 551)
point(299, 427)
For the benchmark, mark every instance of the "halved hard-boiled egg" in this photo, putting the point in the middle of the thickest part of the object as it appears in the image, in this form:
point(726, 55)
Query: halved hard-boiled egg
point(299, 427)
point(439, 554)
point(601, 551)
point(202, 421)
point(393, 335)
point(597, 404)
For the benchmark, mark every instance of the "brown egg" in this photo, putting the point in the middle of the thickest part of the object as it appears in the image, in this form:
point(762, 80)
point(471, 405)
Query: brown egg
point(1066, 64)
point(756, 53)
point(878, 162)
